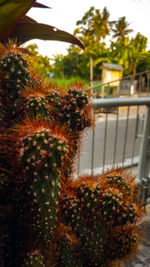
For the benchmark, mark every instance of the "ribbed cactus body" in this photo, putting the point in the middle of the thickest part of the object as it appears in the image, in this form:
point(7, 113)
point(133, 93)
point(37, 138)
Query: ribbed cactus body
point(36, 106)
point(2, 112)
point(71, 211)
point(3, 185)
point(14, 76)
point(122, 242)
point(41, 157)
point(109, 205)
point(67, 256)
point(43, 149)
point(14, 244)
point(43, 208)
point(89, 201)
point(81, 212)
point(34, 259)
point(77, 96)
point(14, 71)
point(71, 109)
point(54, 99)
point(74, 104)
point(119, 182)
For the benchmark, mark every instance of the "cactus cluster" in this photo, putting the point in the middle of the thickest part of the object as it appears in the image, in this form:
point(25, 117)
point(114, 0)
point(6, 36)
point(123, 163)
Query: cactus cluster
point(72, 109)
point(103, 218)
point(46, 218)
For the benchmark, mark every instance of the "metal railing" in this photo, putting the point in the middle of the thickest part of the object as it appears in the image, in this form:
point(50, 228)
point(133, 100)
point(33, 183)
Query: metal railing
point(138, 83)
point(119, 139)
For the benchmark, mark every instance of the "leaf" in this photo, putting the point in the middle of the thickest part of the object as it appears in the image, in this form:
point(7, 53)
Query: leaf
point(40, 5)
point(27, 19)
point(24, 32)
point(11, 11)
point(100, 60)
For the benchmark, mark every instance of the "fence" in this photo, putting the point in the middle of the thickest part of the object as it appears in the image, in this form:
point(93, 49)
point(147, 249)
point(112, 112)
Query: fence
point(130, 85)
point(121, 138)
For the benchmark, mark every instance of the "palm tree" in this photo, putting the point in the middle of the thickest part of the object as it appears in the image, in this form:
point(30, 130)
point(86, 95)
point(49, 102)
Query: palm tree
point(121, 30)
point(94, 26)
point(101, 26)
point(137, 49)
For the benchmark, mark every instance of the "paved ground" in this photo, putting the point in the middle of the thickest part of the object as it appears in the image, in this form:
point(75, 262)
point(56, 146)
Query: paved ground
point(122, 112)
point(125, 147)
point(142, 259)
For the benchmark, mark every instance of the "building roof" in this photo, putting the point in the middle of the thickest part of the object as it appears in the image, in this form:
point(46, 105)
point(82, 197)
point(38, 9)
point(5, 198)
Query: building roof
point(112, 66)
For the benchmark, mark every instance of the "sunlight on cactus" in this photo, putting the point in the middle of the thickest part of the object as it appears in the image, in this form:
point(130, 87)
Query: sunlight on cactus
point(46, 217)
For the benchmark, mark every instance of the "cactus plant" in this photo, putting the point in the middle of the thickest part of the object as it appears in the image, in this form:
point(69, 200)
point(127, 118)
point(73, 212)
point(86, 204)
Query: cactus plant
point(72, 109)
point(60, 222)
point(98, 213)
point(15, 76)
point(34, 259)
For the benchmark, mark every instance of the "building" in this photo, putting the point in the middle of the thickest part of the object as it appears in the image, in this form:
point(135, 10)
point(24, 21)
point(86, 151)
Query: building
point(111, 72)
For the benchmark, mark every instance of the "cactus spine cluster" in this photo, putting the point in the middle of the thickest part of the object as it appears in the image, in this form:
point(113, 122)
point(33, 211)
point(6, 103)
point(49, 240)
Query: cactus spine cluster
point(46, 218)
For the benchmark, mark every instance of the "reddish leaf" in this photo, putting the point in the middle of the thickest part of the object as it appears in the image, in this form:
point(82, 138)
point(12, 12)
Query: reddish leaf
point(40, 5)
point(24, 32)
point(11, 11)
point(27, 19)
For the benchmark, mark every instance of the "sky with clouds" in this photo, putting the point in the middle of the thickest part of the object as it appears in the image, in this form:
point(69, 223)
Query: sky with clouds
point(64, 14)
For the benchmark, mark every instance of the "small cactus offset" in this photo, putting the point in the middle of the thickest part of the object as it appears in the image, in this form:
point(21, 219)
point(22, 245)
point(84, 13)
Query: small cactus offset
point(36, 105)
point(46, 217)
point(54, 99)
point(34, 259)
point(33, 102)
point(123, 241)
point(67, 252)
point(73, 110)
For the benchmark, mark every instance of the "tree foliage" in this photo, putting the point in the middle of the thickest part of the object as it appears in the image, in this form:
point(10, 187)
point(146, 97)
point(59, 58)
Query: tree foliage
point(120, 29)
point(104, 41)
point(40, 64)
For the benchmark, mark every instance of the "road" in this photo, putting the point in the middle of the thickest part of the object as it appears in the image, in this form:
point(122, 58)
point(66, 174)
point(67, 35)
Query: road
point(121, 147)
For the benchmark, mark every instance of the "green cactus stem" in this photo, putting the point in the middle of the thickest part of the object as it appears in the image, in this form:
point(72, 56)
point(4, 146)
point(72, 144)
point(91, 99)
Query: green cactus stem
point(89, 201)
point(14, 77)
point(122, 243)
point(67, 255)
point(14, 71)
point(78, 96)
point(36, 106)
point(42, 157)
point(54, 99)
point(69, 109)
point(34, 259)
point(120, 183)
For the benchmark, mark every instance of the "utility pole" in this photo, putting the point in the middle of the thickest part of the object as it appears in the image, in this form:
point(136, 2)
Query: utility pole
point(91, 75)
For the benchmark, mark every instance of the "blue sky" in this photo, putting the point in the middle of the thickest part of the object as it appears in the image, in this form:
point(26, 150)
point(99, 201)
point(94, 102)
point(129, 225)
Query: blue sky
point(65, 13)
